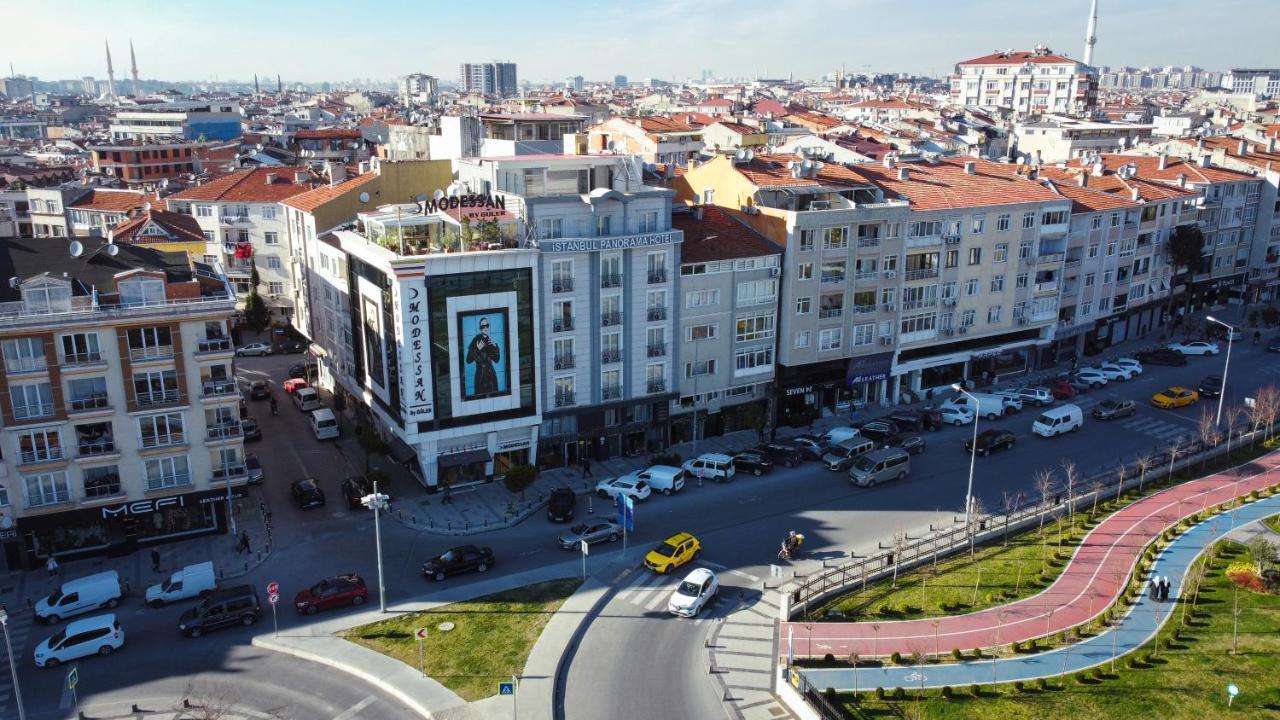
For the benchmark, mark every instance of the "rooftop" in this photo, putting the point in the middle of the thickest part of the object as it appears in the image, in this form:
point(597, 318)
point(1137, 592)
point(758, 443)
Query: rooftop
point(328, 134)
point(944, 185)
point(105, 200)
point(1018, 57)
point(312, 199)
point(775, 171)
point(158, 226)
point(718, 236)
point(273, 184)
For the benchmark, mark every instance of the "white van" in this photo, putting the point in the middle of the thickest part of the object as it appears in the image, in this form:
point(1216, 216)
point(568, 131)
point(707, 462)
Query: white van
point(98, 635)
point(989, 406)
point(1059, 420)
point(712, 466)
point(307, 399)
point(662, 478)
point(79, 596)
point(324, 424)
point(837, 435)
point(191, 581)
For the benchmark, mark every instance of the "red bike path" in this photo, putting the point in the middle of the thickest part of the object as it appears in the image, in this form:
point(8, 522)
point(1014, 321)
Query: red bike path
point(1095, 577)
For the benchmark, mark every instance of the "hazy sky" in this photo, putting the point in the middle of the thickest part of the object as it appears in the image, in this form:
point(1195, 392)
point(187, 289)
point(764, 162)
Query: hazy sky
point(312, 40)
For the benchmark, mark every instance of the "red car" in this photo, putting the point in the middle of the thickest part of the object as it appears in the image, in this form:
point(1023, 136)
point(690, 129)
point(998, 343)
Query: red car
point(1062, 390)
point(331, 592)
point(293, 385)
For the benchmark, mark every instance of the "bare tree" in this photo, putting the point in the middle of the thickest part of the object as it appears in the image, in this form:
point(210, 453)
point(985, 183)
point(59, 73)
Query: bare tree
point(977, 517)
point(1194, 579)
point(1207, 433)
point(1266, 404)
point(1120, 473)
point(899, 547)
point(1071, 474)
point(1236, 416)
point(208, 701)
point(1144, 463)
point(1010, 501)
point(1095, 486)
point(1044, 487)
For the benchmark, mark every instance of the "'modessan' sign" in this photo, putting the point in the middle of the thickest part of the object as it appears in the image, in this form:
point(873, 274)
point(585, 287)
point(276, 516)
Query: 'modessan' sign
point(496, 202)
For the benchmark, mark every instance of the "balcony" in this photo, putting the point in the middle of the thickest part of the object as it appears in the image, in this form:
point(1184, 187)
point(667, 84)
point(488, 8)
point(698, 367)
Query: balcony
point(218, 388)
point(164, 482)
point(213, 345)
point(26, 365)
point(84, 358)
point(231, 471)
point(657, 349)
point(32, 410)
point(102, 486)
point(562, 325)
point(32, 457)
point(89, 403)
point(832, 279)
point(151, 352)
point(611, 280)
point(1044, 315)
point(864, 309)
point(657, 385)
point(868, 242)
point(657, 314)
point(922, 274)
point(826, 313)
point(1047, 287)
point(658, 275)
point(98, 446)
point(157, 397)
point(166, 440)
point(234, 219)
point(926, 241)
point(611, 355)
point(1051, 258)
point(866, 275)
point(562, 285)
point(564, 399)
point(223, 431)
point(610, 319)
point(611, 392)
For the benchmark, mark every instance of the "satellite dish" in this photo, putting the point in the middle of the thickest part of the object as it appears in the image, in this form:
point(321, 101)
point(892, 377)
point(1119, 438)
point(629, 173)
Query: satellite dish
point(364, 197)
point(76, 248)
point(740, 155)
point(818, 164)
point(112, 249)
point(791, 164)
point(146, 207)
point(437, 195)
point(806, 165)
point(453, 189)
point(751, 154)
point(697, 198)
point(610, 145)
point(420, 197)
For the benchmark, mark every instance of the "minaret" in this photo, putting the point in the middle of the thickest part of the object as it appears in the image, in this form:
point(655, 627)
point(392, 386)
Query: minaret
point(279, 85)
point(137, 93)
point(255, 85)
point(111, 73)
point(1090, 35)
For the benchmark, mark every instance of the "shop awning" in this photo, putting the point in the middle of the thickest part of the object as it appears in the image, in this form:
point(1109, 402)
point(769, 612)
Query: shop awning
point(466, 457)
point(400, 450)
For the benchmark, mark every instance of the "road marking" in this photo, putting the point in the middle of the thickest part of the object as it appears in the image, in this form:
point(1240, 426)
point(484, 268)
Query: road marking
point(725, 568)
point(355, 709)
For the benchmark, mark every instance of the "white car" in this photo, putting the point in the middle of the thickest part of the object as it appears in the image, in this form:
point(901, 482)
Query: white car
point(1039, 396)
point(97, 635)
point(257, 348)
point(1093, 376)
point(952, 415)
point(1011, 398)
point(1198, 347)
point(1129, 364)
point(615, 487)
point(693, 593)
point(1111, 371)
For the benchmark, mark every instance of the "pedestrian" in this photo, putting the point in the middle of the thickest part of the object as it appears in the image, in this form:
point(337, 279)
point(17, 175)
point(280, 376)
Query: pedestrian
point(586, 468)
point(448, 495)
point(244, 542)
point(1164, 588)
point(1155, 588)
point(53, 566)
point(155, 560)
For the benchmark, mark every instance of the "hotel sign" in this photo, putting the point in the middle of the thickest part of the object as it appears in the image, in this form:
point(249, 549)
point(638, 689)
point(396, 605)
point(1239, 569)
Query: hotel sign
point(620, 242)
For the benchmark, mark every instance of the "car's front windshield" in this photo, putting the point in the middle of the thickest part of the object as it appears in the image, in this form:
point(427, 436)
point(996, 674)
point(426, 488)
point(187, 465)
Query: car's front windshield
point(666, 550)
point(689, 589)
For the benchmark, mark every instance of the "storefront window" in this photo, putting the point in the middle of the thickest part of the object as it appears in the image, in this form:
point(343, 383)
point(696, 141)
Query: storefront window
point(469, 473)
point(504, 461)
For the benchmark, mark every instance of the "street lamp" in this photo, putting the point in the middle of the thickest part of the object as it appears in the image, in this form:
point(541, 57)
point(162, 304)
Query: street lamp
point(13, 667)
point(973, 454)
point(378, 502)
point(1226, 367)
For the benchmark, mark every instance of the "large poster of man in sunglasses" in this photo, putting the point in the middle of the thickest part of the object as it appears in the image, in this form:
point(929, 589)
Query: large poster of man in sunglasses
point(484, 364)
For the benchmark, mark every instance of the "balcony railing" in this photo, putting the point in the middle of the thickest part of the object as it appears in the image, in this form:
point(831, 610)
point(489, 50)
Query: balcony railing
point(102, 486)
point(866, 275)
point(611, 356)
point(611, 392)
point(657, 313)
point(610, 319)
point(223, 432)
point(85, 358)
point(55, 496)
point(214, 388)
point(564, 399)
point(864, 309)
point(151, 352)
point(160, 482)
point(562, 325)
point(215, 344)
point(564, 361)
point(658, 275)
point(829, 279)
point(26, 364)
point(1054, 257)
point(869, 242)
point(157, 397)
point(27, 457)
point(922, 274)
point(231, 471)
point(657, 386)
point(1050, 286)
point(166, 440)
point(925, 241)
point(95, 401)
point(657, 349)
point(611, 280)
point(89, 448)
point(562, 285)
point(32, 410)
point(825, 313)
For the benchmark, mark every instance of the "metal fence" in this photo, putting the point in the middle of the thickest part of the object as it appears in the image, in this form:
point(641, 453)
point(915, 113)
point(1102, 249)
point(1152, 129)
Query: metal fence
point(1102, 483)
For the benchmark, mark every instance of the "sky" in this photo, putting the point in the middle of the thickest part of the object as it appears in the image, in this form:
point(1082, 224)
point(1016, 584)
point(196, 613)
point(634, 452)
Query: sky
point(338, 40)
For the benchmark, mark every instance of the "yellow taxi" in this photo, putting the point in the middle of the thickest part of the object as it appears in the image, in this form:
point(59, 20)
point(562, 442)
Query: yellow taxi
point(672, 553)
point(1175, 397)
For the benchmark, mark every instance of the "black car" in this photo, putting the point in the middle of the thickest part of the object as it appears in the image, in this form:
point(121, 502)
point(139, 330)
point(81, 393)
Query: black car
point(464, 558)
point(810, 447)
point(1112, 409)
point(1161, 356)
point(224, 608)
point(912, 443)
point(1211, 385)
point(562, 505)
point(249, 428)
point(259, 390)
point(908, 421)
point(752, 462)
point(292, 347)
point(354, 488)
point(991, 440)
point(780, 453)
point(879, 430)
point(306, 371)
point(307, 493)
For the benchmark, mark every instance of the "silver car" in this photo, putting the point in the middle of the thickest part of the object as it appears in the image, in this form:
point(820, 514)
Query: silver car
point(593, 532)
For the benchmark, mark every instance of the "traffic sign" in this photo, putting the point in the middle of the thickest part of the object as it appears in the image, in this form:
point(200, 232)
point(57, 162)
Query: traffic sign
point(273, 598)
point(273, 588)
point(1232, 692)
point(585, 547)
point(422, 633)
point(506, 688)
point(73, 677)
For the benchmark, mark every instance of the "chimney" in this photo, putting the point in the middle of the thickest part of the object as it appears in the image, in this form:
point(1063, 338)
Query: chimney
point(889, 160)
point(364, 167)
point(1098, 168)
point(337, 172)
point(1271, 144)
point(301, 177)
point(1205, 161)
point(970, 167)
point(1182, 180)
point(904, 173)
point(1164, 161)
point(1200, 143)
point(1133, 194)
point(1082, 179)
point(1242, 148)
point(271, 178)
point(697, 212)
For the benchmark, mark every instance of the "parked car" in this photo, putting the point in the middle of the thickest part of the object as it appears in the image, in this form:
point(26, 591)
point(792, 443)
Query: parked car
point(354, 488)
point(79, 596)
point(1199, 347)
point(97, 635)
point(907, 421)
point(1094, 377)
point(259, 390)
point(258, 349)
point(1162, 356)
point(1113, 372)
point(956, 416)
point(1175, 397)
point(1012, 400)
point(1062, 389)
point(911, 442)
point(787, 456)
point(292, 347)
point(1131, 364)
point(672, 553)
point(1114, 409)
point(462, 559)
point(249, 428)
point(224, 608)
point(711, 466)
point(811, 447)
point(1053, 422)
point(303, 370)
point(878, 430)
point(293, 385)
point(693, 593)
point(991, 440)
point(1038, 396)
point(1077, 383)
point(561, 505)
point(613, 487)
point(752, 463)
point(254, 467)
point(333, 592)
point(307, 493)
point(593, 532)
point(839, 457)
point(198, 580)
point(1211, 386)
point(1273, 345)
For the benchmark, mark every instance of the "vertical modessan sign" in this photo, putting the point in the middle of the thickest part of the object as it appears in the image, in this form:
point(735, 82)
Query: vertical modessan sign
point(417, 390)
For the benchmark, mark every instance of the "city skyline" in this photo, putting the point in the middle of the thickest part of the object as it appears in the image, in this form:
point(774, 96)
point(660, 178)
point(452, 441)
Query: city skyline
point(916, 37)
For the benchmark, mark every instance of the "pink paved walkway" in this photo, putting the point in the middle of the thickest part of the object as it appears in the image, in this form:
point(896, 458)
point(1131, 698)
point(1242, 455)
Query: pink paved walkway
point(1095, 577)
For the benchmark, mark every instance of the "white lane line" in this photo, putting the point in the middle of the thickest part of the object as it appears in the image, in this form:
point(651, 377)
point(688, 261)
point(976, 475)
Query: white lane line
point(724, 568)
point(636, 591)
point(355, 709)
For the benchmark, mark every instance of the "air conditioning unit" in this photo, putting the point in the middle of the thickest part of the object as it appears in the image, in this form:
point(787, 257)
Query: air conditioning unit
point(891, 274)
point(775, 272)
point(890, 308)
point(963, 329)
point(949, 302)
point(886, 341)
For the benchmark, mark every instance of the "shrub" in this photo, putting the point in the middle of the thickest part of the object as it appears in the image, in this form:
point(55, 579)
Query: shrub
point(1082, 677)
point(1166, 643)
point(899, 694)
point(886, 609)
point(896, 658)
point(977, 653)
point(956, 654)
point(1097, 673)
point(1060, 638)
point(1177, 634)
point(828, 658)
point(830, 693)
point(946, 692)
point(520, 477)
point(880, 693)
point(1131, 662)
point(1145, 658)
point(975, 690)
point(1015, 646)
point(1030, 646)
point(1042, 685)
point(1019, 685)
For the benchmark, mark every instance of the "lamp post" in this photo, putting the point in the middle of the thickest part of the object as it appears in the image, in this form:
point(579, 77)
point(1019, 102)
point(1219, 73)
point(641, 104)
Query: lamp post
point(973, 455)
point(378, 502)
point(1226, 366)
point(13, 667)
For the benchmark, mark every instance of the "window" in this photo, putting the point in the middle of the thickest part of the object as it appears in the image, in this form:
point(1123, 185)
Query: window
point(804, 271)
point(1089, 278)
point(829, 339)
point(611, 271)
point(155, 387)
point(1057, 217)
point(1095, 223)
point(101, 481)
point(701, 367)
point(1002, 221)
point(917, 323)
point(953, 258)
point(1093, 250)
point(208, 236)
point(204, 211)
point(971, 287)
point(24, 354)
point(864, 334)
point(997, 283)
point(887, 295)
point(1107, 276)
point(47, 489)
point(759, 292)
point(1086, 308)
point(1111, 248)
point(31, 401)
point(949, 289)
point(649, 221)
point(753, 361)
point(275, 288)
point(167, 472)
point(604, 225)
point(835, 238)
point(889, 263)
point(564, 391)
point(701, 298)
point(757, 327)
point(703, 332)
point(550, 228)
point(993, 313)
point(979, 223)
point(1115, 219)
point(1128, 246)
point(141, 291)
point(803, 339)
point(656, 264)
point(804, 305)
point(975, 256)
point(806, 239)
point(833, 272)
point(271, 238)
point(562, 276)
point(273, 262)
point(1104, 304)
point(1022, 280)
point(967, 318)
point(269, 213)
point(924, 228)
point(40, 446)
point(1024, 249)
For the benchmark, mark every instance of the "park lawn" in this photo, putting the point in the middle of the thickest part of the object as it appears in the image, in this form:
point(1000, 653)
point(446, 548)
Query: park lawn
point(1186, 682)
point(1272, 522)
point(491, 639)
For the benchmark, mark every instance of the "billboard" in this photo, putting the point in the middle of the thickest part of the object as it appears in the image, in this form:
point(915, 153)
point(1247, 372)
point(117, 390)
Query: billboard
point(485, 367)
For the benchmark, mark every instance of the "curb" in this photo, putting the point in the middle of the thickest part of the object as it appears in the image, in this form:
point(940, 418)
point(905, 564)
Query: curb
point(560, 681)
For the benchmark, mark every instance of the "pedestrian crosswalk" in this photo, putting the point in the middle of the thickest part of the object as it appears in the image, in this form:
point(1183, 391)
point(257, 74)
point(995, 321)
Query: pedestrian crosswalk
point(1162, 430)
point(650, 592)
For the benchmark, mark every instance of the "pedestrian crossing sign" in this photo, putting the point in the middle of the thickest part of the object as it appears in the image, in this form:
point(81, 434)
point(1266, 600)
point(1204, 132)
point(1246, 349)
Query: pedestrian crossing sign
point(506, 688)
point(73, 678)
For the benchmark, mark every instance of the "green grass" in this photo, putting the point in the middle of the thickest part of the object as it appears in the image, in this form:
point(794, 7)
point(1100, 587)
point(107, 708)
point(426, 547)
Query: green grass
point(1272, 522)
point(1186, 681)
point(490, 642)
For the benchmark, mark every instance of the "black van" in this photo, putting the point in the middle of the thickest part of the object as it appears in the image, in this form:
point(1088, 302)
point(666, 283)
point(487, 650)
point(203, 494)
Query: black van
point(561, 505)
point(224, 608)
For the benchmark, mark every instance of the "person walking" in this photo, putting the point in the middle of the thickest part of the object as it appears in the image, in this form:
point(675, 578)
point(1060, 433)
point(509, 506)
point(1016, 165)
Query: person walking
point(1155, 588)
point(1164, 591)
point(155, 560)
point(448, 495)
point(244, 542)
point(586, 468)
point(52, 565)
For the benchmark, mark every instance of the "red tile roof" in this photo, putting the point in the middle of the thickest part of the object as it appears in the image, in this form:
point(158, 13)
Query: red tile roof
point(1149, 169)
point(313, 199)
point(105, 200)
point(1110, 182)
point(772, 171)
point(739, 128)
point(1087, 199)
point(181, 228)
point(249, 186)
point(660, 124)
point(1018, 57)
point(1256, 153)
point(718, 236)
point(328, 134)
point(945, 185)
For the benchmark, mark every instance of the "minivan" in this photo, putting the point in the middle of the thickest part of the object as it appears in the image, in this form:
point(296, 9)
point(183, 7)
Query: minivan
point(837, 435)
point(97, 635)
point(839, 457)
point(307, 399)
point(324, 424)
point(879, 465)
point(188, 582)
point(81, 595)
point(224, 608)
point(712, 466)
point(1059, 420)
point(664, 478)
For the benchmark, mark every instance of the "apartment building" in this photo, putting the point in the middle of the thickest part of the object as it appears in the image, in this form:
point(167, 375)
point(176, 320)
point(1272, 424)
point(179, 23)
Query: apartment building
point(727, 311)
point(1024, 82)
point(607, 258)
point(320, 145)
point(189, 120)
point(1058, 138)
point(47, 208)
point(147, 163)
point(118, 399)
point(97, 211)
point(653, 139)
point(493, 78)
